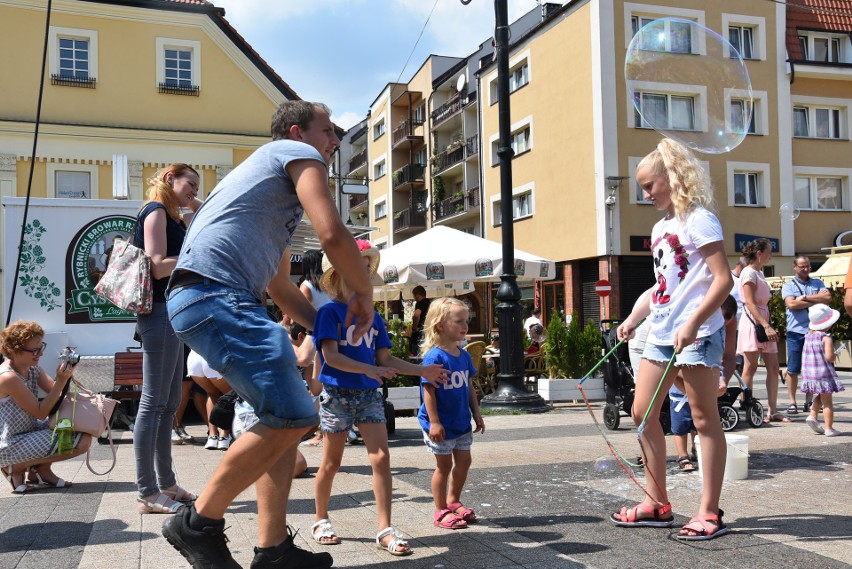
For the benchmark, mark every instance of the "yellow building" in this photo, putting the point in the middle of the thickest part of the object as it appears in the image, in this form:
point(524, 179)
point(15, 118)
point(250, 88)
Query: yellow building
point(577, 138)
point(128, 88)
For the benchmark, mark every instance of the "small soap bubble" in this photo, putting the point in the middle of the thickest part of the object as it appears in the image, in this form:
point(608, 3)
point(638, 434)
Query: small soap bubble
point(607, 468)
point(789, 212)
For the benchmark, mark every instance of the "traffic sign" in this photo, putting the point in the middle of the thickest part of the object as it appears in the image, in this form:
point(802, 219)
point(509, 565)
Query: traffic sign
point(603, 288)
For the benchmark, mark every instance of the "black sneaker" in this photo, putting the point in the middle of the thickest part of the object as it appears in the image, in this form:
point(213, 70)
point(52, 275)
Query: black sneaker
point(205, 549)
point(290, 556)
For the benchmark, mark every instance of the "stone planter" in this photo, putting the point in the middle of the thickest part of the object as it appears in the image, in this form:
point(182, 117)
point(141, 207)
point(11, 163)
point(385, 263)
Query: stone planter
point(566, 389)
point(404, 398)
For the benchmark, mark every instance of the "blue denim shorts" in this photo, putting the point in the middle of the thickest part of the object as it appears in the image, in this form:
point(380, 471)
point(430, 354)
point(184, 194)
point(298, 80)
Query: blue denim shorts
point(446, 446)
point(681, 418)
point(706, 351)
point(232, 331)
point(341, 408)
point(795, 343)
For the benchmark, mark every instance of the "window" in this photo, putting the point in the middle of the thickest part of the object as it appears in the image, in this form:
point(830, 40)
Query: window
point(380, 209)
point(519, 77)
point(178, 66)
point(420, 114)
point(742, 38)
point(824, 48)
point(660, 110)
point(378, 129)
point(817, 122)
point(523, 205)
point(75, 185)
point(73, 57)
point(420, 157)
point(521, 141)
point(746, 188)
point(380, 169)
point(819, 193)
point(740, 111)
point(663, 35)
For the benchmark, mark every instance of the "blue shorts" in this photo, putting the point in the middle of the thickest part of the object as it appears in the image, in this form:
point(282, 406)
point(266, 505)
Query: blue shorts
point(795, 343)
point(706, 351)
point(681, 418)
point(340, 408)
point(232, 331)
point(447, 446)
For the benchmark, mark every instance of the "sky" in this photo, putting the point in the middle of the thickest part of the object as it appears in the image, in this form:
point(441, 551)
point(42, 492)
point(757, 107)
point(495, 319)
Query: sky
point(344, 52)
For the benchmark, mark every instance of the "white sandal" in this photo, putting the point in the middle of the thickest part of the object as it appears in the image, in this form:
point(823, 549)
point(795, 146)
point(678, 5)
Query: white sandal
point(162, 505)
point(323, 529)
point(180, 495)
point(60, 482)
point(395, 542)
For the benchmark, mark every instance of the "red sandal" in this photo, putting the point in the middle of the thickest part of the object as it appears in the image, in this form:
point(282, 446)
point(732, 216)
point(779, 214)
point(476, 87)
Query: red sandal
point(629, 518)
point(466, 513)
point(448, 519)
point(704, 527)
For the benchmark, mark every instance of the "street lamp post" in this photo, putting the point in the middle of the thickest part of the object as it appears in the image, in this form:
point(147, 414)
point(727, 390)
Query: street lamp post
point(511, 394)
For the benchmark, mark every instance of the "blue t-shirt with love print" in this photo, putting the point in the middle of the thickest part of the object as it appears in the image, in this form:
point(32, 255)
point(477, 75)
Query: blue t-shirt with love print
point(453, 396)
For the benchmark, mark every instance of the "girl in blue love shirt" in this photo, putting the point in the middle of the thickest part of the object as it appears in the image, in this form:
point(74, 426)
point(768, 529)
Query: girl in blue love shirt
point(447, 410)
point(352, 370)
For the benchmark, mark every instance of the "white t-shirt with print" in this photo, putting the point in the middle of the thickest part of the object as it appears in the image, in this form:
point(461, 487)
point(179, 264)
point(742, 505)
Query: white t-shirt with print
point(683, 277)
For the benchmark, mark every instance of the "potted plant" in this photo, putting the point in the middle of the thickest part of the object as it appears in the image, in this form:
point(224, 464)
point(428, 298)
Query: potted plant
point(403, 390)
point(569, 353)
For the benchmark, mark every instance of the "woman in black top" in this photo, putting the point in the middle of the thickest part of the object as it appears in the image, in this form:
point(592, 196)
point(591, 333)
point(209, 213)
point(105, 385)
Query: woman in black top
point(160, 230)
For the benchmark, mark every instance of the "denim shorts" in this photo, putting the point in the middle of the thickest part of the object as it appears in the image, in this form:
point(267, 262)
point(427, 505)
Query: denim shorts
point(341, 408)
point(681, 418)
point(231, 329)
point(795, 343)
point(447, 446)
point(706, 351)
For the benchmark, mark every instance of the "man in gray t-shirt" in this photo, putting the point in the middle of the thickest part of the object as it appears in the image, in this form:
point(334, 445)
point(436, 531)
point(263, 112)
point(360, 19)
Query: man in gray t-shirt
point(237, 248)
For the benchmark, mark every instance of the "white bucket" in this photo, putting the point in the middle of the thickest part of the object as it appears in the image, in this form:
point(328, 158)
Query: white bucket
point(736, 461)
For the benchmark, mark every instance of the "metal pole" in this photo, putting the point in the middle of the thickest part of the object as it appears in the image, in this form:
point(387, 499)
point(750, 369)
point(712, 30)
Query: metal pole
point(511, 394)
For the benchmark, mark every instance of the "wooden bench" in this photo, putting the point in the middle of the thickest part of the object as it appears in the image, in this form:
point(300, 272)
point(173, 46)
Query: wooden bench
point(127, 382)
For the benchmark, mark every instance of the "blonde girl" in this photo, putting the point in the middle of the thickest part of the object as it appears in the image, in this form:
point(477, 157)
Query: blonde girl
point(447, 410)
point(684, 319)
point(160, 230)
point(351, 371)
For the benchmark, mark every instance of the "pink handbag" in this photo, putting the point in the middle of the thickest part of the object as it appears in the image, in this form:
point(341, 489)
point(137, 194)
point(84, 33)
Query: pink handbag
point(127, 280)
point(89, 413)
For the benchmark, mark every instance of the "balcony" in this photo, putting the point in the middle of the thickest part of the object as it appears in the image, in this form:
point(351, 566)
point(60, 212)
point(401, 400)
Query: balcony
point(406, 132)
point(408, 220)
point(446, 111)
point(447, 159)
point(358, 161)
point(458, 204)
point(408, 176)
point(469, 98)
point(356, 201)
point(471, 146)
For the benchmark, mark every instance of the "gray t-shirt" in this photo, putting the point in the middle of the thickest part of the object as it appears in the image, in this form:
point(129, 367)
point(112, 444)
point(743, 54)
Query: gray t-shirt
point(240, 233)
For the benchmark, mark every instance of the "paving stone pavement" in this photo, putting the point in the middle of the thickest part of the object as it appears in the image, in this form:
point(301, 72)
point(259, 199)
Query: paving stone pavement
point(541, 505)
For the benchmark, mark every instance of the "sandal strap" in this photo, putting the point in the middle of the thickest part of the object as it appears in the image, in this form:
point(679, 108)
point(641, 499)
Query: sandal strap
point(395, 542)
point(700, 524)
point(163, 504)
point(323, 528)
point(629, 515)
point(180, 495)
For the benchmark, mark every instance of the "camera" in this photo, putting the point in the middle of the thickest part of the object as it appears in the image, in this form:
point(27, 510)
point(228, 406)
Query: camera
point(69, 356)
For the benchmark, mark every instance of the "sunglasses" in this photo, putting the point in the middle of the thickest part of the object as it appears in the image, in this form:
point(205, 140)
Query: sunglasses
point(38, 351)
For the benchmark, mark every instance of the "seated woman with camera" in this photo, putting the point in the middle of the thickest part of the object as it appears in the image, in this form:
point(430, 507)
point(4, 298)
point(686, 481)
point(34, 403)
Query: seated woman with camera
point(27, 444)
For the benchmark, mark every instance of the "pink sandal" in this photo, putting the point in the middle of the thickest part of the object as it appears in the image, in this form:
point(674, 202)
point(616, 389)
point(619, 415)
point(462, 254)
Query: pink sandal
point(467, 514)
point(447, 519)
point(704, 527)
point(629, 518)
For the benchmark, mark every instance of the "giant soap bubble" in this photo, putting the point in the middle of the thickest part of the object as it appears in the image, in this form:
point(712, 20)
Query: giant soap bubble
point(689, 83)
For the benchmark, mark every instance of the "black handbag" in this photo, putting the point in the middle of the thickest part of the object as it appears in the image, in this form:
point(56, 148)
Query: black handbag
point(759, 330)
point(222, 414)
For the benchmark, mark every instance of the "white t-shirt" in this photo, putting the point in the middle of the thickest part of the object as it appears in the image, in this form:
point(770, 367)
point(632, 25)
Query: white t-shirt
point(683, 277)
point(735, 292)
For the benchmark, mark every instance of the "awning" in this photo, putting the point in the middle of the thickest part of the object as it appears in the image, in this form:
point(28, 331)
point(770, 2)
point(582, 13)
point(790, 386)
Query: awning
point(833, 271)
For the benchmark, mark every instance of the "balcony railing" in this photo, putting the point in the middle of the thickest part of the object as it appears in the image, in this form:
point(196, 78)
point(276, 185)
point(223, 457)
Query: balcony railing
point(408, 174)
point(408, 218)
point(357, 200)
point(446, 110)
point(358, 160)
point(406, 129)
point(468, 98)
point(457, 204)
point(471, 146)
point(444, 160)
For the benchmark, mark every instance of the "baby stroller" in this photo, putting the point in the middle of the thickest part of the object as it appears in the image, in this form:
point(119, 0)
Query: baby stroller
point(753, 408)
point(619, 381)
